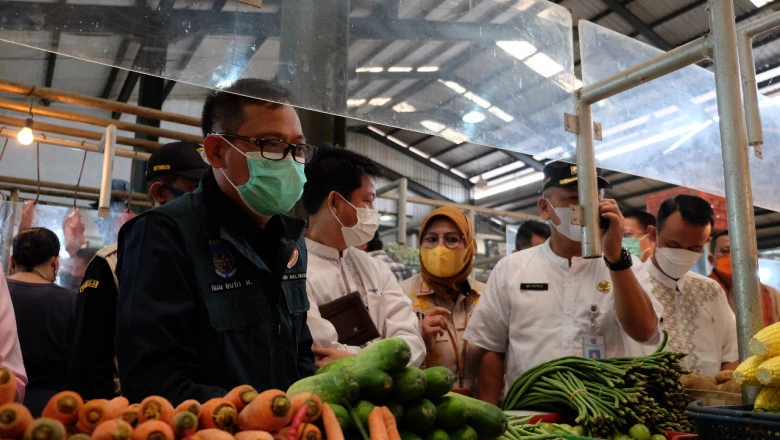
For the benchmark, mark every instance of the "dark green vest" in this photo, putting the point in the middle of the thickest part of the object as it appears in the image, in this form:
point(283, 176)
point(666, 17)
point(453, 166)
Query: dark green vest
point(249, 319)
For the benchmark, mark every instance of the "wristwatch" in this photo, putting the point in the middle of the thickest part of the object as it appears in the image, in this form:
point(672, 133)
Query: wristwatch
point(625, 262)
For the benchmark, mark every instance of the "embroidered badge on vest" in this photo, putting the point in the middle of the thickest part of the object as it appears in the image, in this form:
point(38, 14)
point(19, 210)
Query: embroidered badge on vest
point(293, 258)
point(224, 262)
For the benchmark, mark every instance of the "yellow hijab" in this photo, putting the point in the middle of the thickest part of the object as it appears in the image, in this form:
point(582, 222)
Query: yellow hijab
point(457, 283)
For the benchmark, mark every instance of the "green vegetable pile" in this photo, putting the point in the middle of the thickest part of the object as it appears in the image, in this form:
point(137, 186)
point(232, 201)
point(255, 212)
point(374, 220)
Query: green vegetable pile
point(608, 395)
point(521, 428)
point(420, 400)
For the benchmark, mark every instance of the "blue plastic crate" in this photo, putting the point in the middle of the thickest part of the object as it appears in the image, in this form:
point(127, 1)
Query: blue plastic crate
point(738, 422)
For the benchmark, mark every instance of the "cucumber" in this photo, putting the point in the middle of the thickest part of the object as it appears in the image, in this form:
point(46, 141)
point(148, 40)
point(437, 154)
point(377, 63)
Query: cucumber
point(451, 413)
point(374, 383)
point(437, 434)
point(419, 416)
point(341, 415)
point(406, 435)
point(388, 355)
point(335, 387)
point(464, 433)
point(409, 384)
point(397, 409)
point(488, 420)
point(440, 381)
point(362, 409)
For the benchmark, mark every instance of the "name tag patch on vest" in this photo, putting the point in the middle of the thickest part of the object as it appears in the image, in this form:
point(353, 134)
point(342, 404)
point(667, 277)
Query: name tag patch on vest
point(224, 262)
point(223, 287)
point(534, 286)
point(294, 276)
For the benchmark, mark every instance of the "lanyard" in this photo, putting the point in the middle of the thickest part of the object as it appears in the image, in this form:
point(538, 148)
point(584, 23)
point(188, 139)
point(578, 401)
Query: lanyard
point(460, 358)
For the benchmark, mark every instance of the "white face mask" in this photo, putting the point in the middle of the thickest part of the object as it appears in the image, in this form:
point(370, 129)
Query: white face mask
point(570, 231)
point(365, 228)
point(676, 262)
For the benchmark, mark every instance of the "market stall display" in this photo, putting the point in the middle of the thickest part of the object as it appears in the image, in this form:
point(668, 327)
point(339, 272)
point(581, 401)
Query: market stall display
point(421, 400)
point(608, 396)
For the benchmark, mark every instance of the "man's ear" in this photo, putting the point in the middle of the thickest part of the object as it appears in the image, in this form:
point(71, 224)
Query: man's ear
point(214, 147)
point(157, 191)
point(711, 258)
point(652, 233)
point(542, 205)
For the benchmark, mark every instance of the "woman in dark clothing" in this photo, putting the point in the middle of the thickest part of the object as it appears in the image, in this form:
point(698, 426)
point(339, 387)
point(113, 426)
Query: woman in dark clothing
point(43, 314)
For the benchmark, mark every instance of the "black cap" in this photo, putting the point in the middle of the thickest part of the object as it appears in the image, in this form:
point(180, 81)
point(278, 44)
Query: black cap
point(563, 174)
point(181, 159)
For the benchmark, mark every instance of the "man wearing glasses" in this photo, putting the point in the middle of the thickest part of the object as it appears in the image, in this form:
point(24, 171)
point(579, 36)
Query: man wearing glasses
point(213, 284)
point(339, 198)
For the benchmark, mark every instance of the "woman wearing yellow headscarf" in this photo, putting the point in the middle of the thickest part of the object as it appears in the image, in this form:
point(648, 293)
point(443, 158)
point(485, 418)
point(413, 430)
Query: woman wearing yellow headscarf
point(444, 297)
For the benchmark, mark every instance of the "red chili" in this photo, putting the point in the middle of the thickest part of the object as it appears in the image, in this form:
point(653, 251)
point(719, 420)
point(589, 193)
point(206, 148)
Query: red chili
point(295, 425)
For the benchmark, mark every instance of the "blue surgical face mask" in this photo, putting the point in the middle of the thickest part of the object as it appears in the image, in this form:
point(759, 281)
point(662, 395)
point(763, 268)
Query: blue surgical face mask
point(273, 186)
point(176, 192)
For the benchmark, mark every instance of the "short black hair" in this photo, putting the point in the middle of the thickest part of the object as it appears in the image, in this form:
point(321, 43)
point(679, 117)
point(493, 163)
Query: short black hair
point(527, 230)
point(33, 247)
point(223, 110)
point(335, 169)
point(693, 209)
point(644, 218)
point(715, 237)
point(375, 244)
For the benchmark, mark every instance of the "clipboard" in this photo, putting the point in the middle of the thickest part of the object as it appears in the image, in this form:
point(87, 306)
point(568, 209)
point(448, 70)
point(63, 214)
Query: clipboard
point(350, 317)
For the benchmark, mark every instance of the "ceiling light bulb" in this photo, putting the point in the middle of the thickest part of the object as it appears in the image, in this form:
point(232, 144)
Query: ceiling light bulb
point(25, 135)
point(473, 117)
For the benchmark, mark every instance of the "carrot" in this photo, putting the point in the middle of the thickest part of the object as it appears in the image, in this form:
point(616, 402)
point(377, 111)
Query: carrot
point(376, 425)
point(254, 435)
point(241, 396)
point(79, 436)
point(299, 418)
point(7, 385)
point(91, 414)
point(184, 424)
point(131, 414)
point(312, 401)
point(116, 429)
point(190, 405)
point(156, 408)
point(390, 424)
point(116, 406)
point(270, 411)
point(153, 430)
point(14, 419)
point(307, 431)
point(219, 413)
point(45, 428)
point(64, 406)
point(212, 434)
point(331, 424)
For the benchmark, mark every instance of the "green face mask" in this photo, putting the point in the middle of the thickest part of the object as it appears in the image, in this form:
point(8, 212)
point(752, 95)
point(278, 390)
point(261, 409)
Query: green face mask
point(632, 246)
point(273, 186)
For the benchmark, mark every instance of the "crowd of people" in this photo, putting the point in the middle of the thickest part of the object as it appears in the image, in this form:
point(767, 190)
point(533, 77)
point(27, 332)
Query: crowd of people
point(217, 287)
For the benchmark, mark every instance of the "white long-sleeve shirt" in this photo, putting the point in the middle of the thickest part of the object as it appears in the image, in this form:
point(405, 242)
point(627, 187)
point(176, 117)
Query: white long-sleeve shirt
point(330, 276)
point(536, 308)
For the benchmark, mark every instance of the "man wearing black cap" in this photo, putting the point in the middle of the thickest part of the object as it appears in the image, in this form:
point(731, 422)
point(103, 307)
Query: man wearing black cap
point(547, 302)
point(173, 170)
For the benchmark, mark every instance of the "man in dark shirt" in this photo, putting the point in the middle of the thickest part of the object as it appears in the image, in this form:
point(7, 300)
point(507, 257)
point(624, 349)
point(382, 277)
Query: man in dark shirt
point(213, 285)
point(172, 170)
point(43, 314)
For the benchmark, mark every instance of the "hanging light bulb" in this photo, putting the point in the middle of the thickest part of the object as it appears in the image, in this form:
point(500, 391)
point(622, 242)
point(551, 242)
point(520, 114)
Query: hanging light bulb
point(25, 135)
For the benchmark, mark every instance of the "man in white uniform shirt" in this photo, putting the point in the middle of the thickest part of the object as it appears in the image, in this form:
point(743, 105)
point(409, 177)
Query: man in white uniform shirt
point(696, 314)
point(339, 198)
point(547, 302)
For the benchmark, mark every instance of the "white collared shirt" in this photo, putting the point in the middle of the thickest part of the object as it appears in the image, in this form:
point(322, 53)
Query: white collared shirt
point(548, 318)
point(330, 276)
point(697, 318)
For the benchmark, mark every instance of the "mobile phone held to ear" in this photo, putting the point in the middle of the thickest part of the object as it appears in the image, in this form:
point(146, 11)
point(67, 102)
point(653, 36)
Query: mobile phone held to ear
point(603, 223)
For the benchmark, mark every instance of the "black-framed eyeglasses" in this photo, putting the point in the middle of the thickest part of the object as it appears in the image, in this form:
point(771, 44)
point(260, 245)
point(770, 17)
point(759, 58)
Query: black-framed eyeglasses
point(278, 149)
point(451, 240)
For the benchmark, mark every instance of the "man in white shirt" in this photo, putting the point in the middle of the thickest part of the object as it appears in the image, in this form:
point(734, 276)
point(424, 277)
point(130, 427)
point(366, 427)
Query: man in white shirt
point(547, 302)
point(696, 314)
point(339, 198)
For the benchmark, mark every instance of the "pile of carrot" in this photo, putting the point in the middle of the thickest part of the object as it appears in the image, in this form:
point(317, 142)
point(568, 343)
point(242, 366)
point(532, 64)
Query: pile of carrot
point(242, 414)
